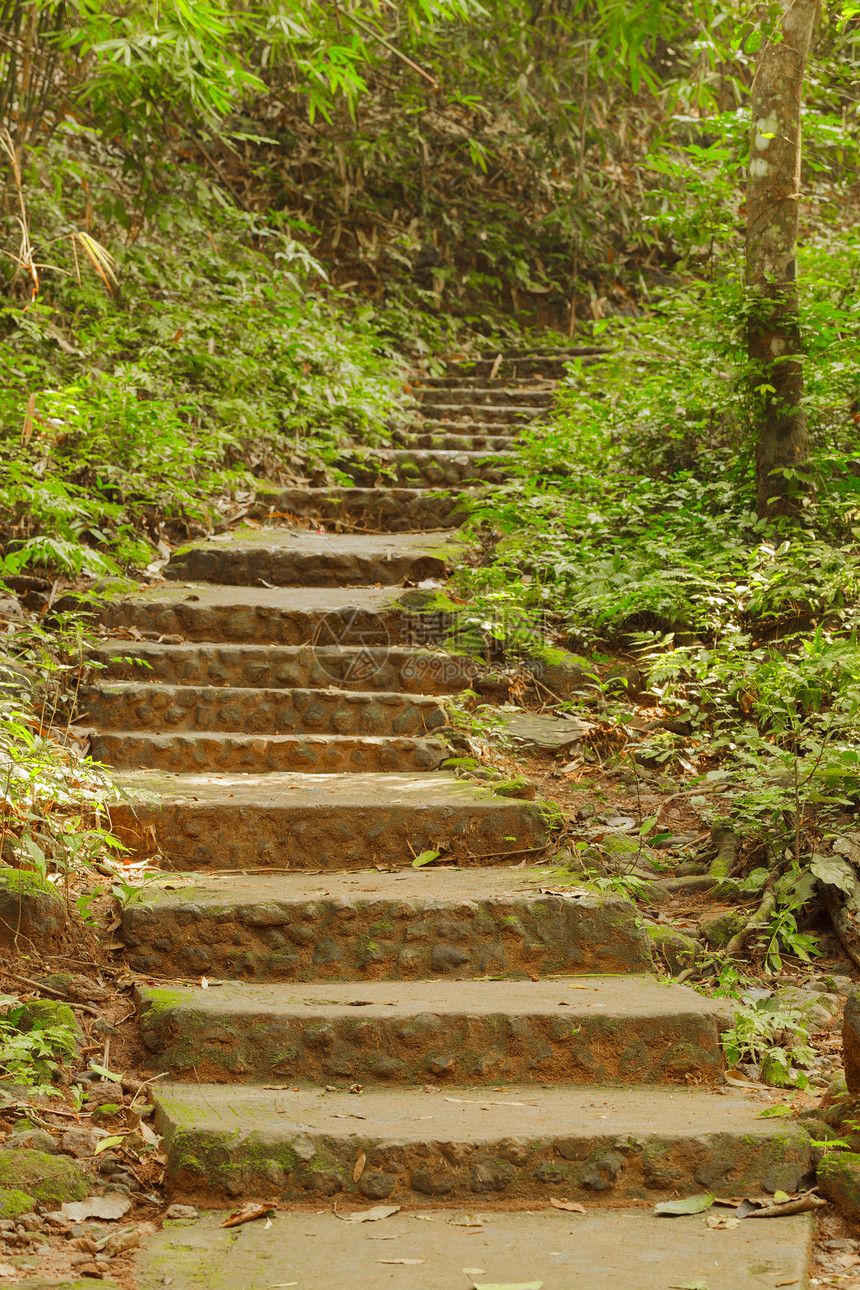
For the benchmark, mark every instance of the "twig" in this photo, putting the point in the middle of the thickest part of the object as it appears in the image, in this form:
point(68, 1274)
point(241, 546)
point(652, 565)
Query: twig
point(58, 994)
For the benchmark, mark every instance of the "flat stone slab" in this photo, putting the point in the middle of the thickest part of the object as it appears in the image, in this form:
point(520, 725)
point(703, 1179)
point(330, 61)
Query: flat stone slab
point(592, 1251)
point(259, 754)
point(634, 1029)
point(393, 667)
point(336, 821)
point(203, 611)
point(378, 926)
point(613, 1144)
point(298, 557)
point(254, 710)
point(534, 730)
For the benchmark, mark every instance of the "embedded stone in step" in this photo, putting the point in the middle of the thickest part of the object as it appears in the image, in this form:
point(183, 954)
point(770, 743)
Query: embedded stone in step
point(321, 822)
point(423, 468)
point(320, 754)
point(454, 442)
point(296, 557)
point(598, 1250)
point(631, 1030)
point(382, 926)
point(283, 616)
point(397, 668)
point(389, 510)
point(456, 1147)
point(130, 705)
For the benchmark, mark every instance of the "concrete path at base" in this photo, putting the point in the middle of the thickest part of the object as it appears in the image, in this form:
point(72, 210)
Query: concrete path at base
point(616, 1250)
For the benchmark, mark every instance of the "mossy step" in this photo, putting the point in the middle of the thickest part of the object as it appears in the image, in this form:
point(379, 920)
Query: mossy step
point(431, 469)
point(322, 822)
point(608, 1145)
point(631, 1030)
point(499, 395)
point(396, 668)
point(498, 413)
point(258, 754)
point(419, 924)
point(296, 557)
point(133, 705)
point(453, 442)
point(597, 1250)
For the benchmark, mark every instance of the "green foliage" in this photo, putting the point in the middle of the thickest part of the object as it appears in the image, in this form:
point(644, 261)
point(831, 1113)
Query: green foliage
point(32, 1046)
point(764, 1033)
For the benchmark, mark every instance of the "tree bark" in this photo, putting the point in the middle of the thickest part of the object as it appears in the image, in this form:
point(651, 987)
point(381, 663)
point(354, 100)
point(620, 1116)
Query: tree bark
point(773, 330)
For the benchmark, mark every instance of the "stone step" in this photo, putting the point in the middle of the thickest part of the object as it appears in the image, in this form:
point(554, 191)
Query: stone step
point(457, 411)
point(453, 1146)
point(630, 1030)
point(129, 705)
point(598, 1250)
point(386, 510)
point(422, 468)
point(367, 616)
point(500, 396)
point(463, 427)
point(421, 438)
point(296, 557)
point(380, 926)
point(321, 754)
point(322, 822)
point(462, 381)
point(407, 670)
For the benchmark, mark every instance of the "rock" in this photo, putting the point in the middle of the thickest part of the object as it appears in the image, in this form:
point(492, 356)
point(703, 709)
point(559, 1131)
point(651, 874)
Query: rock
point(377, 1186)
point(813, 1008)
point(563, 673)
point(30, 905)
point(176, 1212)
point(50, 1179)
point(533, 730)
point(14, 1203)
point(851, 1041)
point(431, 1184)
point(839, 1181)
point(32, 1140)
point(10, 609)
point(40, 1013)
point(600, 1174)
point(78, 1142)
point(719, 929)
point(675, 949)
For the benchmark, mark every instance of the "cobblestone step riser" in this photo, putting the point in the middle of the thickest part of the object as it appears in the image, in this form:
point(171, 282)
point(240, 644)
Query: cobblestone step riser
point(261, 624)
point(364, 510)
point(229, 710)
point(498, 397)
point(296, 1165)
point(301, 667)
point(236, 567)
point(248, 754)
point(338, 938)
point(453, 442)
point(318, 836)
point(478, 412)
point(321, 1046)
point(421, 469)
point(538, 384)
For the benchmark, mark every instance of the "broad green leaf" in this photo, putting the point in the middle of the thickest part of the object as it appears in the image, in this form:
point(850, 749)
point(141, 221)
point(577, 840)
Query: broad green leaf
point(425, 857)
point(105, 1144)
point(834, 871)
point(106, 1074)
point(687, 1205)
point(771, 1112)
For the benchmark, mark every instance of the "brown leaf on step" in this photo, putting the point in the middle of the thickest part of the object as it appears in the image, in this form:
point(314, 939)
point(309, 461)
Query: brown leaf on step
point(369, 1215)
point(572, 1206)
point(533, 976)
point(723, 1222)
point(247, 1214)
point(410, 1263)
point(359, 1167)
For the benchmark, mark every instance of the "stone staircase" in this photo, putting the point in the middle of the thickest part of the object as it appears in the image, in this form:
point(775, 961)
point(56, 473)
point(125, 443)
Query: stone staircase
point(340, 1027)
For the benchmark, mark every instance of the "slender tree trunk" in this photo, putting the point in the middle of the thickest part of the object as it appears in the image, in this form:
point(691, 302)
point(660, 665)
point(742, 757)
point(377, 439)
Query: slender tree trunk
point(773, 329)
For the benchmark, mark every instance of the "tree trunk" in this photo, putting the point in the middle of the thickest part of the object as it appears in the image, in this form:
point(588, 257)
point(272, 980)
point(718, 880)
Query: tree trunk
point(773, 329)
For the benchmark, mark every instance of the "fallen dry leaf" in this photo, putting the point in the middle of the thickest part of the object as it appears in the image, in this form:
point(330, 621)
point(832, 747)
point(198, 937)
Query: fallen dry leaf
point(369, 1215)
point(107, 1207)
point(409, 1263)
point(572, 1206)
point(474, 1272)
point(466, 1220)
point(128, 1238)
point(359, 1167)
point(247, 1214)
point(722, 1222)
